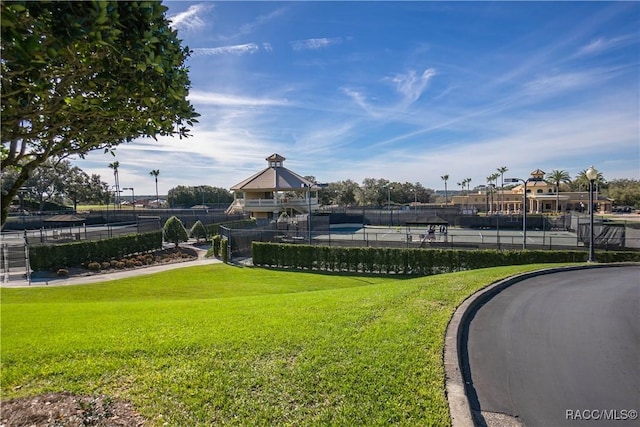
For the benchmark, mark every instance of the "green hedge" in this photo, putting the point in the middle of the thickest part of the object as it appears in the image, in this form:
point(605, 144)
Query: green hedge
point(224, 249)
point(411, 261)
point(49, 257)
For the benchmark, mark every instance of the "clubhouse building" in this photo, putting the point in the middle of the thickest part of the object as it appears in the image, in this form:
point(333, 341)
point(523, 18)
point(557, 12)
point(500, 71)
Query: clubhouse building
point(541, 197)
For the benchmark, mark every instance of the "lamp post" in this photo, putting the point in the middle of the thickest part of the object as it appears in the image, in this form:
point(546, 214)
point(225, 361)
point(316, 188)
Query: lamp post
point(389, 205)
point(592, 175)
point(133, 198)
point(524, 209)
point(308, 187)
point(415, 201)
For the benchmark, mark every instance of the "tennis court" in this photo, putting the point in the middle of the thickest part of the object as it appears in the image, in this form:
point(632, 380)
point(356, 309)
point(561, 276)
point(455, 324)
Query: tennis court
point(445, 236)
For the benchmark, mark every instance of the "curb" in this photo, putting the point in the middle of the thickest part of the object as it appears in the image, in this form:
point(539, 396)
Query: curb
point(455, 384)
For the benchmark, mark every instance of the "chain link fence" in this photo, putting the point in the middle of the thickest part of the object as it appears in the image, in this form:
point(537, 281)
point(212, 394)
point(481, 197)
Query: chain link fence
point(554, 233)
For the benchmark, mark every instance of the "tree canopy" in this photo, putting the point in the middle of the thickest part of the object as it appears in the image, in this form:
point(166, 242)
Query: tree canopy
point(188, 196)
point(80, 76)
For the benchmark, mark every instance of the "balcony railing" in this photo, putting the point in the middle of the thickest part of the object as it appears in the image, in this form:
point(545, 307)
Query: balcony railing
point(282, 202)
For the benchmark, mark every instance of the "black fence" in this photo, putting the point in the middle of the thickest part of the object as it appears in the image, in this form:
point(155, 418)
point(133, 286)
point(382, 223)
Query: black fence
point(502, 232)
point(119, 216)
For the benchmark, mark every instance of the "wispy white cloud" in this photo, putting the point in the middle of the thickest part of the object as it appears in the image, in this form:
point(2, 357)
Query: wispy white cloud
point(261, 20)
point(240, 49)
point(604, 44)
point(556, 84)
point(410, 85)
point(215, 98)
point(314, 44)
point(267, 47)
point(596, 133)
point(192, 18)
point(361, 100)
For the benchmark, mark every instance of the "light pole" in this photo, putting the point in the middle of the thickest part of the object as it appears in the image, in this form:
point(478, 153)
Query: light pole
point(133, 198)
point(592, 175)
point(116, 197)
point(202, 188)
point(308, 187)
point(524, 208)
point(415, 201)
point(389, 205)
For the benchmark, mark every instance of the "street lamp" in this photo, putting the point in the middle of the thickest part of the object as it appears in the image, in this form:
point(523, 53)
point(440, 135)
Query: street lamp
point(592, 175)
point(524, 209)
point(389, 205)
point(116, 196)
point(415, 201)
point(308, 187)
point(133, 197)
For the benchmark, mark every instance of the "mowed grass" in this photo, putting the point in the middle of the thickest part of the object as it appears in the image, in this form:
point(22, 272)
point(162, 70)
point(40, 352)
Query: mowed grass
point(243, 346)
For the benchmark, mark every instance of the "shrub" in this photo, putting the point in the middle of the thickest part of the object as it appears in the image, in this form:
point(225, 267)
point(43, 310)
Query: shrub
point(198, 231)
point(106, 265)
point(94, 266)
point(49, 257)
point(412, 261)
point(224, 250)
point(174, 231)
point(215, 245)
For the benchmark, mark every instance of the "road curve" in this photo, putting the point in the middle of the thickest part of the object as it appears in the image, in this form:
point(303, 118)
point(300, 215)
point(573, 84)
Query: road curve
point(559, 349)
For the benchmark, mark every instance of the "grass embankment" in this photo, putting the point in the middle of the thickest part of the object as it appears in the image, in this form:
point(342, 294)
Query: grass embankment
point(245, 346)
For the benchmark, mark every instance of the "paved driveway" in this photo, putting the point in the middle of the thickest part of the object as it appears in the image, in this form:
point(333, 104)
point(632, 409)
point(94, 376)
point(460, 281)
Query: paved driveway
point(561, 349)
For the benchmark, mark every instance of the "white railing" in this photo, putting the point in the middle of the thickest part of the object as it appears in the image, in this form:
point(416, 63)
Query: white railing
point(285, 201)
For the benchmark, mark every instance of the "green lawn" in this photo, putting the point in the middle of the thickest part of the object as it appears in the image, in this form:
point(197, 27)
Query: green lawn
point(243, 346)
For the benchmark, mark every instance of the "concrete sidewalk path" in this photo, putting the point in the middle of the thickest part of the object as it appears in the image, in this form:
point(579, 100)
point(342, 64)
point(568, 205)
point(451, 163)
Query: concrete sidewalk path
point(36, 281)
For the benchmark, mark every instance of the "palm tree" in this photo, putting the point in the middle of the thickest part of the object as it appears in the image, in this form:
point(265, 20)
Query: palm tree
point(557, 177)
point(155, 174)
point(502, 170)
point(598, 183)
point(445, 178)
point(490, 180)
point(494, 178)
point(582, 180)
point(115, 166)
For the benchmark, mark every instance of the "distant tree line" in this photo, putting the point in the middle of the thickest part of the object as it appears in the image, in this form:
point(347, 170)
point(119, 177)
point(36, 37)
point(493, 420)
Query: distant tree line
point(62, 184)
point(374, 192)
point(187, 196)
point(58, 183)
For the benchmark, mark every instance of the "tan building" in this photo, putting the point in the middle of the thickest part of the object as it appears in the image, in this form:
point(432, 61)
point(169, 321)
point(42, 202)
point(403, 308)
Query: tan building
point(274, 190)
point(541, 198)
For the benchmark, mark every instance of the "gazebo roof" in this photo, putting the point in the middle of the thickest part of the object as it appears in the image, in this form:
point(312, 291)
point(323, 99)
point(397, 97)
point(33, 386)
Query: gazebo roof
point(274, 178)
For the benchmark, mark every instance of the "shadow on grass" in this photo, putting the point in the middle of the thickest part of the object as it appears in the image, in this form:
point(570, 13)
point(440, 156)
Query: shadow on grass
point(351, 274)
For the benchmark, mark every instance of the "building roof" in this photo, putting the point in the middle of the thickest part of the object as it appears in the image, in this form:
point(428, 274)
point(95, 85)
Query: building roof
point(274, 178)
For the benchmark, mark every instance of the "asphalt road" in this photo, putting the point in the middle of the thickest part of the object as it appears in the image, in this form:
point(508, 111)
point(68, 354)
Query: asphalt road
point(560, 349)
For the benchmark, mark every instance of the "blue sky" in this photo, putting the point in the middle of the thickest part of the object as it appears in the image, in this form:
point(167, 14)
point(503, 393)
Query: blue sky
point(406, 91)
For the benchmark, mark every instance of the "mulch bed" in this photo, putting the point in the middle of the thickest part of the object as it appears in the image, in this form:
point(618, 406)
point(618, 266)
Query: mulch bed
point(68, 410)
point(164, 256)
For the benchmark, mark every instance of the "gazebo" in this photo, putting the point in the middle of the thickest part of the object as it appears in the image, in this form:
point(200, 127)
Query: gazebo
point(274, 190)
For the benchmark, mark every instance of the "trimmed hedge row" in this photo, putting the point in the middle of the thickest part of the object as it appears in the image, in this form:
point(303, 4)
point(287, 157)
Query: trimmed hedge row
point(49, 257)
point(411, 261)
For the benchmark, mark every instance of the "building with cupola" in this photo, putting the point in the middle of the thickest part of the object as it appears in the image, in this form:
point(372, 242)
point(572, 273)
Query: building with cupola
point(275, 190)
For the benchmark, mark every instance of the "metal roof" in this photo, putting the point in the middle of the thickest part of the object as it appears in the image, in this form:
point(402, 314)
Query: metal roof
point(274, 178)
